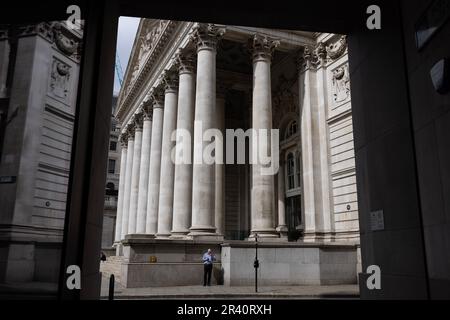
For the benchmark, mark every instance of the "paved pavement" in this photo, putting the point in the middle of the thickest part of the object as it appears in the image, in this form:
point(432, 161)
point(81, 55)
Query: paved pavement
point(224, 292)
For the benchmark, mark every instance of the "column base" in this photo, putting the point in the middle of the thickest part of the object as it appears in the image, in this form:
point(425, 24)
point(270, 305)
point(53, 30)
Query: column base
point(179, 234)
point(139, 236)
point(283, 231)
point(318, 237)
point(264, 233)
point(163, 235)
point(206, 237)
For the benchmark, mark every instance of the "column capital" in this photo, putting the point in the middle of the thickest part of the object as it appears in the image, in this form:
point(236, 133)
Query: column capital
point(206, 35)
point(156, 96)
point(147, 107)
point(185, 62)
point(169, 80)
point(130, 130)
point(262, 47)
point(138, 120)
point(312, 57)
point(123, 138)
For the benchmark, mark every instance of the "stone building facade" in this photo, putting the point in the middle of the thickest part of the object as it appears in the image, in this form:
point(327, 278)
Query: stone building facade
point(308, 99)
point(39, 72)
point(230, 77)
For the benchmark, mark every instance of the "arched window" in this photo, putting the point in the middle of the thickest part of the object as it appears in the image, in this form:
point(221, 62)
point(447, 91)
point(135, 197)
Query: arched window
point(110, 186)
point(291, 129)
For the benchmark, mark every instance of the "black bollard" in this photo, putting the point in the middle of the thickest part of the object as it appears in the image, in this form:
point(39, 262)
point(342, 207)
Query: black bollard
point(256, 263)
point(111, 288)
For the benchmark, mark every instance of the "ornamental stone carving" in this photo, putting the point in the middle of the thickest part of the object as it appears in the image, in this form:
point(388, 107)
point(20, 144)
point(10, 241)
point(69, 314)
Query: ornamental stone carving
point(337, 49)
point(341, 84)
point(147, 108)
point(60, 79)
point(123, 138)
point(64, 43)
point(262, 47)
point(138, 120)
point(185, 62)
point(156, 96)
point(169, 80)
point(206, 35)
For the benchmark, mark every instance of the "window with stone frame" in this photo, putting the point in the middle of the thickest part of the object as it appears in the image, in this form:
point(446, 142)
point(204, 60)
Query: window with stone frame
point(290, 171)
point(291, 129)
point(111, 166)
point(298, 169)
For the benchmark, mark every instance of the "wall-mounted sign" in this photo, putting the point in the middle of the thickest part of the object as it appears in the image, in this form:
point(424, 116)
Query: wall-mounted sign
point(7, 179)
point(431, 21)
point(377, 220)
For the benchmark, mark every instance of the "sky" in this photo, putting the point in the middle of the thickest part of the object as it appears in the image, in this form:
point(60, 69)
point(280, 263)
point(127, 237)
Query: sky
point(125, 39)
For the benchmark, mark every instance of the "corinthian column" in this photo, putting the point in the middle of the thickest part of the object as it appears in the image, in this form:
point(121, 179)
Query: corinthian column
point(123, 163)
point(135, 174)
point(206, 37)
point(144, 168)
point(182, 201)
point(165, 211)
point(262, 193)
point(151, 221)
point(127, 186)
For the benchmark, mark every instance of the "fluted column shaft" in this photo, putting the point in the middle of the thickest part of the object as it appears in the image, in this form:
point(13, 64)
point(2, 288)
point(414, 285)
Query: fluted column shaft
point(135, 177)
point(182, 202)
point(166, 187)
point(203, 183)
point(127, 187)
point(262, 193)
point(144, 169)
point(122, 172)
point(151, 222)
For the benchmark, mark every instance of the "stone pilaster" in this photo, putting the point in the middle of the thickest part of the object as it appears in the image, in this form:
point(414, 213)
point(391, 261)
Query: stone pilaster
point(206, 37)
point(127, 186)
point(318, 222)
point(182, 202)
point(165, 212)
point(123, 163)
point(154, 173)
point(144, 167)
point(262, 193)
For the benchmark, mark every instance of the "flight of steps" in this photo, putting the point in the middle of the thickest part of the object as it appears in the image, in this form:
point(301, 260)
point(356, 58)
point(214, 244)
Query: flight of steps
point(112, 265)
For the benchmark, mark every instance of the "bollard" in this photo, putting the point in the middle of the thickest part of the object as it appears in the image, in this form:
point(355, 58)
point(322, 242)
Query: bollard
point(111, 288)
point(256, 262)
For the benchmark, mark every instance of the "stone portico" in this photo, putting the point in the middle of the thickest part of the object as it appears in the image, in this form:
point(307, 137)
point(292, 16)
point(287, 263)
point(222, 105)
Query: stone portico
point(228, 77)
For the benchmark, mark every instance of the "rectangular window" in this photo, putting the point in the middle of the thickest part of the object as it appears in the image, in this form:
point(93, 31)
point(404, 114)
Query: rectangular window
point(290, 166)
point(297, 170)
point(113, 145)
point(111, 166)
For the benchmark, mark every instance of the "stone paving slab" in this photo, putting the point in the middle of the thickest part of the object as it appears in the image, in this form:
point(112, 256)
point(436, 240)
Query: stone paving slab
point(224, 292)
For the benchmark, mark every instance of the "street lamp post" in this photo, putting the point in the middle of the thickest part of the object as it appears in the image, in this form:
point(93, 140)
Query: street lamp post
point(256, 262)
